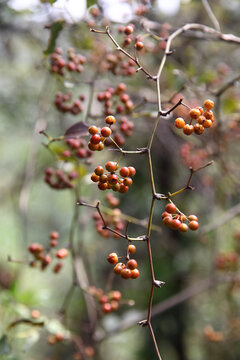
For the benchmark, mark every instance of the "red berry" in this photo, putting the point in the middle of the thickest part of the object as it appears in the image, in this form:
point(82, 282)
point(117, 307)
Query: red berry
point(102, 186)
point(124, 171)
point(192, 217)
point(106, 131)
point(126, 273)
point(123, 189)
point(127, 181)
point(175, 224)
point(112, 258)
point(62, 253)
point(95, 139)
point(54, 235)
point(188, 129)
point(193, 225)
point(135, 273)
point(94, 177)
point(111, 166)
point(132, 264)
point(118, 268)
point(132, 171)
point(93, 130)
point(128, 29)
point(116, 295)
point(171, 208)
point(106, 308)
point(113, 179)
point(139, 45)
point(110, 120)
point(99, 170)
point(183, 227)
point(132, 249)
point(103, 299)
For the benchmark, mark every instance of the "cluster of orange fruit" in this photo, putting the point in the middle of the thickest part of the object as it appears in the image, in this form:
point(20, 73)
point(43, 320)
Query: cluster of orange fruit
point(202, 115)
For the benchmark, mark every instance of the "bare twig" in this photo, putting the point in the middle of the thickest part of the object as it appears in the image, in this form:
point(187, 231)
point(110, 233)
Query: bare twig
point(211, 15)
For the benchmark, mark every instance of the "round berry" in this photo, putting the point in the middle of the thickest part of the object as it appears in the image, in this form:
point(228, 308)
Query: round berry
point(95, 139)
point(194, 113)
point(62, 253)
point(123, 189)
point(135, 273)
point(54, 235)
point(208, 114)
point(208, 104)
point(132, 264)
point(207, 123)
point(113, 179)
point(188, 129)
point(132, 171)
point(111, 166)
point(170, 208)
point(128, 29)
point(106, 131)
point(112, 258)
point(127, 181)
point(118, 268)
point(110, 120)
point(132, 249)
point(124, 171)
point(183, 227)
point(179, 123)
point(193, 225)
point(126, 273)
point(93, 130)
point(102, 186)
point(198, 129)
point(116, 295)
point(106, 308)
point(192, 217)
point(94, 177)
point(139, 45)
point(175, 224)
point(99, 170)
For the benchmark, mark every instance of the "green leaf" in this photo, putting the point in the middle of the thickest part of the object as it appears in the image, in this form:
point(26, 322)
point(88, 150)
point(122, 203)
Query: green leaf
point(56, 28)
point(91, 3)
point(48, 1)
point(5, 348)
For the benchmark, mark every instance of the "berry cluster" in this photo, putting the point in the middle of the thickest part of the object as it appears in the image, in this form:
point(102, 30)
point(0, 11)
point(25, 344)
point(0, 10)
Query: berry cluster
point(59, 180)
point(55, 338)
point(62, 105)
point(74, 62)
point(192, 156)
point(114, 220)
point(118, 66)
point(111, 180)
point(128, 270)
point(129, 38)
point(175, 220)
point(212, 335)
point(98, 138)
point(227, 261)
point(116, 97)
point(77, 148)
point(204, 119)
point(109, 301)
point(44, 255)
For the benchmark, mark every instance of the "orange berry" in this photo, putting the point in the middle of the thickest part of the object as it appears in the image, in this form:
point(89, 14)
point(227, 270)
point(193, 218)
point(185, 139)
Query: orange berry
point(118, 268)
point(171, 208)
point(93, 130)
point(194, 113)
point(126, 273)
point(112, 258)
point(208, 114)
point(132, 264)
point(207, 123)
point(198, 129)
point(179, 123)
point(192, 217)
point(110, 120)
point(132, 249)
point(208, 104)
point(188, 129)
point(183, 227)
point(193, 225)
point(62, 253)
point(135, 273)
point(139, 45)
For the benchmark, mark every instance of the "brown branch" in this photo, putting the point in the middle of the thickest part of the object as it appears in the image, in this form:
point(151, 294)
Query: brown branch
point(119, 48)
